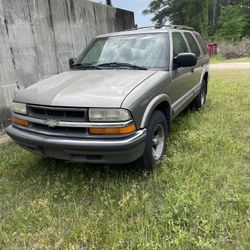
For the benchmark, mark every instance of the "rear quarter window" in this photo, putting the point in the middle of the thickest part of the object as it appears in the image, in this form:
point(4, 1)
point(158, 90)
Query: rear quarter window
point(202, 43)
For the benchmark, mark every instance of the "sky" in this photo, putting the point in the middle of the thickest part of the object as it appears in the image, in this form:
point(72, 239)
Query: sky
point(137, 6)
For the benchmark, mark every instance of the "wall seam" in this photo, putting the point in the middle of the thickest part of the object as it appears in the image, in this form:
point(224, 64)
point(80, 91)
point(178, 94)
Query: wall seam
point(69, 21)
point(11, 51)
point(35, 42)
point(53, 34)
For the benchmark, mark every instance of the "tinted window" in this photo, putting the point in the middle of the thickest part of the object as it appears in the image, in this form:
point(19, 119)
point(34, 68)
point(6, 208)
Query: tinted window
point(192, 44)
point(202, 44)
point(179, 44)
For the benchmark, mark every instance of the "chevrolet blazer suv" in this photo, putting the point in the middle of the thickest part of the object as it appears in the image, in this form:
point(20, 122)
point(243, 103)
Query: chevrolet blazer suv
point(116, 103)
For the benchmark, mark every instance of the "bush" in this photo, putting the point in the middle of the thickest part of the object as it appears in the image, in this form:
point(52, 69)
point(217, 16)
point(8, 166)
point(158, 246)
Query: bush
point(242, 48)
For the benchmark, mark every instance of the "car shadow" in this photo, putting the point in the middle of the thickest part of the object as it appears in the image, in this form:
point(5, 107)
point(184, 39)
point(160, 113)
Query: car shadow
point(47, 166)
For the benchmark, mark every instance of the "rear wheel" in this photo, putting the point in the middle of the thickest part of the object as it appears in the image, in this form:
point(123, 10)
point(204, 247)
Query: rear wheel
point(155, 142)
point(200, 99)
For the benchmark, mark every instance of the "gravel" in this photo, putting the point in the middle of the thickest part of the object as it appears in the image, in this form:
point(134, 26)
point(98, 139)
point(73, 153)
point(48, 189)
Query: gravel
point(4, 139)
point(239, 65)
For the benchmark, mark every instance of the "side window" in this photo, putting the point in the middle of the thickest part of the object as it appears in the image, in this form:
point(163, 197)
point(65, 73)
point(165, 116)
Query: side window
point(202, 44)
point(192, 44)
point(179, 44)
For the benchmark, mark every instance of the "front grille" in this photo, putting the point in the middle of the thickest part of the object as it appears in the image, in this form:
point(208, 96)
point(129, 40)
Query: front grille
point(58, 113)
point(59, 131)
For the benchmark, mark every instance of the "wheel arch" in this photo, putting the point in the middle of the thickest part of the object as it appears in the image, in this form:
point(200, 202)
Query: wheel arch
point(205, 76)
point(161, 103)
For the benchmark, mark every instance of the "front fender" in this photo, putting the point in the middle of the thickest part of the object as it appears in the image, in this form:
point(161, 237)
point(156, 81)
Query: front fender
point(151, 107)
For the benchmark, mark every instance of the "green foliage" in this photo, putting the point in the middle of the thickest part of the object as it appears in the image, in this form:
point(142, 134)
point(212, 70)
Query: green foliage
point(197, 199)
point(231, 23)
point(191, 13)
point(213, 18)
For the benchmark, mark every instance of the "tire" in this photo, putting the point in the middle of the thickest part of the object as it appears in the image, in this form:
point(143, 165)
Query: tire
point(200, 99)
point(157, 131)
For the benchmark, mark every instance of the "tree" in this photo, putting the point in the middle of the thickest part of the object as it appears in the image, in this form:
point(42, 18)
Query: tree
point(231, 23)
point(244, 11)
point(192, 12)
point(213, 14)
point(203, 15)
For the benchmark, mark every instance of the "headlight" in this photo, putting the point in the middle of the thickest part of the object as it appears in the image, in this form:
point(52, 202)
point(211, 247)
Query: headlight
point(19, 108)
point(110, 115)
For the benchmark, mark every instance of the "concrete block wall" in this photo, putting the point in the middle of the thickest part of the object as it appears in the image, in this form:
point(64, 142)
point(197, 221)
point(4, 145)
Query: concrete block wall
point(37, 37)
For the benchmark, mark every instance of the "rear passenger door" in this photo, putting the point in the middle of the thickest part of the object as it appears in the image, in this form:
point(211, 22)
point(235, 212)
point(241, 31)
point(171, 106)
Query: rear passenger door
point(194, 48)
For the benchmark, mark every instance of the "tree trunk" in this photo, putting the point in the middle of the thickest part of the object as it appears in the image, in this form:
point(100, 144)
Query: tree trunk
point(215, 15)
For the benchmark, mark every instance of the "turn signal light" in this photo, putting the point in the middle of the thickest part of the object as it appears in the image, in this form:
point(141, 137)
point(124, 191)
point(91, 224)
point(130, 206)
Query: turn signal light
point(113, 131)
point(20, 121)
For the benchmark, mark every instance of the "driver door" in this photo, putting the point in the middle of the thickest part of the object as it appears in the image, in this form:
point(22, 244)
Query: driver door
point(181, 77)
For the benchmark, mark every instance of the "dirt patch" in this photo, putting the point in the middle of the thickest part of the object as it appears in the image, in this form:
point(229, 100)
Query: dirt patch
point(4, 139)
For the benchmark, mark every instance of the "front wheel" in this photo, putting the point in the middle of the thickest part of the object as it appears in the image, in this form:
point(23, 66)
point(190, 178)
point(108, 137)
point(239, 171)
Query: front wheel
point(155, 147)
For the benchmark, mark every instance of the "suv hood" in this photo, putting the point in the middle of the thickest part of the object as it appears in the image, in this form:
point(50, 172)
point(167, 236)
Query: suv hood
point(84, 88)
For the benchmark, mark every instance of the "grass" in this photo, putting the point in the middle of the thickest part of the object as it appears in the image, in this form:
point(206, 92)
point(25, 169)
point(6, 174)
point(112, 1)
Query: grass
point(221, 59)
point(197, 199)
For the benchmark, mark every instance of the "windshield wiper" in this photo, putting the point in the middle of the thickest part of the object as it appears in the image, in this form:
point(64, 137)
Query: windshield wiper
point(85, 66)
point(119, 65)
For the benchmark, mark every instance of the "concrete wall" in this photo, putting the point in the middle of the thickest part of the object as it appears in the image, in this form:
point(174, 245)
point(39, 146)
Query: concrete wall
point(37, 37)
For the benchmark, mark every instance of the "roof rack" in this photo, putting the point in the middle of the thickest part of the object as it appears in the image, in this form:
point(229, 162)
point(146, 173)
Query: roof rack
point(157, 26)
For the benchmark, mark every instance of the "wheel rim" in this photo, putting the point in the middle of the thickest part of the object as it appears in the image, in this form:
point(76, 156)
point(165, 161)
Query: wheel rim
point(202, 97)
point(158, 142)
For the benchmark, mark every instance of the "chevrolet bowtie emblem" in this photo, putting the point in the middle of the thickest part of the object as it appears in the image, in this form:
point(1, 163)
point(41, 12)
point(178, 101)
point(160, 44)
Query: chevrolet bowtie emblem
point(52, 123)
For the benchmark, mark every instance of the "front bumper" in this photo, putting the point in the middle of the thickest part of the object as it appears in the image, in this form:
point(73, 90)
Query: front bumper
point(105, 151)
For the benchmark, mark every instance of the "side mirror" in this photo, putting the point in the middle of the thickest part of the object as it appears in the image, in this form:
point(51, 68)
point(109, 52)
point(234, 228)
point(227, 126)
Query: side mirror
point(72, 62)
point(185, 60)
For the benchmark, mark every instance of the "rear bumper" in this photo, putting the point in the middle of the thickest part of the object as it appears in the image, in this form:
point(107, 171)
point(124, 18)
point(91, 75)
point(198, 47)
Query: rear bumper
point(109, 151)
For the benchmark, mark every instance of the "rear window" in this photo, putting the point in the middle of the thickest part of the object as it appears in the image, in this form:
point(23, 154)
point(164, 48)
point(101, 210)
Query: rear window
point(192, 44)
point(202, 43)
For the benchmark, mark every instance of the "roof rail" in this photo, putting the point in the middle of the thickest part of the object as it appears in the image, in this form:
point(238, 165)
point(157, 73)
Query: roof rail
point(145, 27)
point(183, 27)
point(157, 26)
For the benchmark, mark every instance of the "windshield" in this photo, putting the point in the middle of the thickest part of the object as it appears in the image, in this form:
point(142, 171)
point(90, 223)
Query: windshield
point(145, 51)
